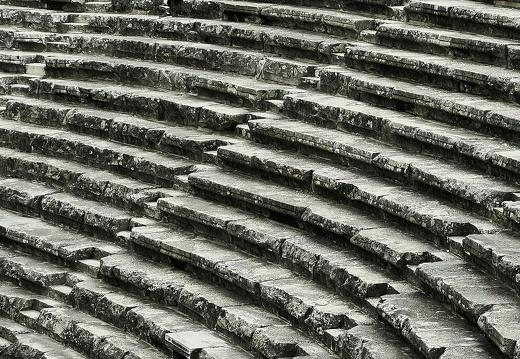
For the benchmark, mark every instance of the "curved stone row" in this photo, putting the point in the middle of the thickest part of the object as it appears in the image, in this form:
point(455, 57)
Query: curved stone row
point(273, 179)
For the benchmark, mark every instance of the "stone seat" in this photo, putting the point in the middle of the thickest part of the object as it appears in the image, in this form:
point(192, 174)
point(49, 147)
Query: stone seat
point(258, 279)
point(64, 325)
point(33, 235)
point(184, 109)
point(332, 265)
point(498, 254)
point(317, 19)
point(436, 217)
point(82, 180)
point(407, 131)
point(479, 48)
point(145, 319)
point(368, 6)
point(204, 56)
point(433, 329)
point(136, 162)
point(429, 174)
point(63, 208)
point(218, 307)
point(448, 73)
point(299, 44)
point(479, 298)
point(464, 110)
point(16, 61)
point(243, 91)
point(290, 246)
point(143, 132)
point(467, 15)
point(26, 343)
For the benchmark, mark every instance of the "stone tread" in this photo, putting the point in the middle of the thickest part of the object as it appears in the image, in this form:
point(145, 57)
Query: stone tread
point(66, 324)
point(456, 180)
point(216, 306)
point(166, 137)
point(177, 107)
point(372, 154)
point(334, 266)
point(445, 41)
point(76, 178)
point(177, 77)
point(478, 297)
point(276, 241)
point(275, 286)
point(107, 303)
point(371, 191)
point(199, 55)
point(467, 10)
point(26, 343)
point(432, 328)
point(337, 111)
point(497, 82)
point(439, 218)
point(56, 241)
point(476, 110)
point(277, 40)
point(74, 211)
point(318, 16)
point(498, 253)
point(99, 153)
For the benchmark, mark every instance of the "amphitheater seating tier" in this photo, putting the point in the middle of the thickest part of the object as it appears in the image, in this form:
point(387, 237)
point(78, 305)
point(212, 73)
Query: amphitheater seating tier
point(269, 179)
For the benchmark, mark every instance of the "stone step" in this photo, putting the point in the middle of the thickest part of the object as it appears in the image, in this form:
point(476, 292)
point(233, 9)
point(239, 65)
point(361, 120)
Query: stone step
point(260, 332)
point(64, 208)
point(78, 179)
point(108, 304)
point(199, 55)
point(476, 192)
point(432, 329)
point(239, 90)
point(134, 130)
point(315, 19)
point(498, 157)
point(176, 107)
point(413, 208)
point(468, 147)
point(31, 345)
point(163, 326)
point(269, 284)
point(441, 71)
point(98, 6)
point(33, 235)
point(15, 304)
point(92, 336)
point(36, 274)
point(370, 341)
point(498, 254)
point(300, 44)
point(15, 61)
point(280, 243)
point(464, 110)
point(131, 161)
point(479, 48)
point(478, 297)
point(337, 268)
point(466, 15)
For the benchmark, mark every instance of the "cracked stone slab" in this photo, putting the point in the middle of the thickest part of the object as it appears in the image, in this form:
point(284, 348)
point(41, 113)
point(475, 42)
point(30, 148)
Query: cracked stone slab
point(430, 327)
point(397, 247)
point(469, 290)
point(86, 213)
point(498, 251)
point(239, 187)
